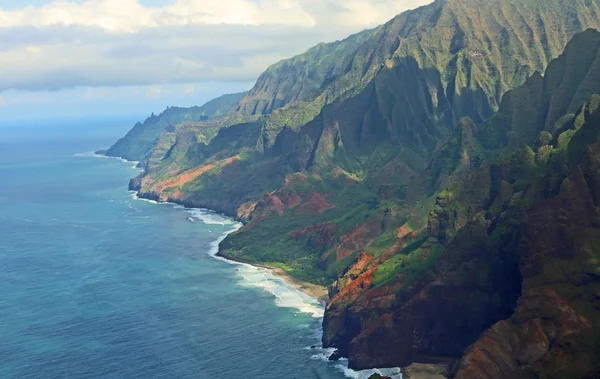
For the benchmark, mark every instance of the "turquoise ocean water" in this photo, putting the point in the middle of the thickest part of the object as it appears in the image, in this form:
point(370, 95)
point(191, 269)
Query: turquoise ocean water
point(97, 284)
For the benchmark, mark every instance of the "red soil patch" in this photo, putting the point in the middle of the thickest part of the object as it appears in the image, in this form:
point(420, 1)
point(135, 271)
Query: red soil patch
point(182, 178)
point(404, 231)
point(273, 203)
point(363, 260)
point(358, 238)
point(355, 288)
point(316, 204)
point(189, 175)
point(291, 201)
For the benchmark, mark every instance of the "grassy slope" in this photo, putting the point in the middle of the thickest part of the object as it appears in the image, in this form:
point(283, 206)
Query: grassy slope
point(384, 102)
point(473, 230)
point(378, 122)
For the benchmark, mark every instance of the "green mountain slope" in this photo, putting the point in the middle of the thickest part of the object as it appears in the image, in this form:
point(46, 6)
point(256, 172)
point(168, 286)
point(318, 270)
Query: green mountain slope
point(142, 138)
point(378, 122)
point(469, 52)
point(513, 239)
point(456, 58)
point(298, 79)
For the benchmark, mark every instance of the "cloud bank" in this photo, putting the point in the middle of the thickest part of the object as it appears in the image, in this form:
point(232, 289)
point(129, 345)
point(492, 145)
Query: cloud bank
point(124, 43)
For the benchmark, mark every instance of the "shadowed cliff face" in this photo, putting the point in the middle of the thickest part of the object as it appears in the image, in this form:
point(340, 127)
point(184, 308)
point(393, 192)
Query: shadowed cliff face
point(554, 329)
point(489, 237)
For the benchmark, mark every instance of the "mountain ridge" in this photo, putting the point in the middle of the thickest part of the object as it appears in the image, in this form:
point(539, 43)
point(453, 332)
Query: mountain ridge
point(480, 212)
point(355, 181)
point(141, 139)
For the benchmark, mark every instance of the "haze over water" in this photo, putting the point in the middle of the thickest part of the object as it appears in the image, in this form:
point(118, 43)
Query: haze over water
point(97, 284)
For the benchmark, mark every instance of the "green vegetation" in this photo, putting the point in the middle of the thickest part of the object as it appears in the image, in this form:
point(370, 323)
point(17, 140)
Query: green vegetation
point(354, 118)
point(429, 144)
point(142, 138)
point(412, 264)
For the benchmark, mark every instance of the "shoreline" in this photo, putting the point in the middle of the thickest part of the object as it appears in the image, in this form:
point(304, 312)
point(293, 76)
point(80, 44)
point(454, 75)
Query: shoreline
point(315, 291)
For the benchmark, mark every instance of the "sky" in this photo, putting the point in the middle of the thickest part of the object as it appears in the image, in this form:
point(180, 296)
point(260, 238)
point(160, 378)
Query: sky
point(90, 58)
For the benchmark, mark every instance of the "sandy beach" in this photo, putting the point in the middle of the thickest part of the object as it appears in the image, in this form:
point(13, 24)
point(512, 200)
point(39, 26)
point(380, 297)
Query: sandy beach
point(312, 290)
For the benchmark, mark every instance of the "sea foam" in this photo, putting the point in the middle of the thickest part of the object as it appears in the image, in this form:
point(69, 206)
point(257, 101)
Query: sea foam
point(92, 154)
point(342, 366)
point(286, 295)
point(394, 373)
point(135, 196)
point(208, 217)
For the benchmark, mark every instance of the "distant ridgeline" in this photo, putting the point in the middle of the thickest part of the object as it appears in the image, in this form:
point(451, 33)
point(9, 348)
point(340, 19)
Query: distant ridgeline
point(142, 138)
point(427, 172)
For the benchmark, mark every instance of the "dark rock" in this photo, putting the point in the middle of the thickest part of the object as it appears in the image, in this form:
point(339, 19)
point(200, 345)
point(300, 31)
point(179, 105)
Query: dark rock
point(336, 356)
point(377, 376)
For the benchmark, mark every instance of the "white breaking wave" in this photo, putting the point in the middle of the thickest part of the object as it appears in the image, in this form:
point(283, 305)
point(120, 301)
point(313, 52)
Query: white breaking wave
point(89, 154)
point(394, 373)
point(214, 246)
point(92, 154)
point(323, 354)
point(208, 217)
point(135, 196)
point(342, 366)
point(286, 295)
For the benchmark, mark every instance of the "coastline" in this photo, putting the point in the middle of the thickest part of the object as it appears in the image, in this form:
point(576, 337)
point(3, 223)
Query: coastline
point(315, 291)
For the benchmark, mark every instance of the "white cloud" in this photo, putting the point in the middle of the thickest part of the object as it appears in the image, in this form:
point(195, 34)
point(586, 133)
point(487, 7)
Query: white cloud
point(121, 42)
point(129, 15)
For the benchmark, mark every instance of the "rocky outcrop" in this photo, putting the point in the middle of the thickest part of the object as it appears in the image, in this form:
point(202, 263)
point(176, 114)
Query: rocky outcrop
point(519, 260)
point(377, 376)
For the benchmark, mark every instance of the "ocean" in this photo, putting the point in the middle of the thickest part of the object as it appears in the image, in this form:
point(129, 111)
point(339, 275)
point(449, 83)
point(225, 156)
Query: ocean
point(98, 284)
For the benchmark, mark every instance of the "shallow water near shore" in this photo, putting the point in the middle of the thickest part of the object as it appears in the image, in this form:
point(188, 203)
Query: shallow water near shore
point(97, 284)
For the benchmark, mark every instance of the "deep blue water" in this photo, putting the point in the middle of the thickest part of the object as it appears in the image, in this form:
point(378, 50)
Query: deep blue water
point(97, 284)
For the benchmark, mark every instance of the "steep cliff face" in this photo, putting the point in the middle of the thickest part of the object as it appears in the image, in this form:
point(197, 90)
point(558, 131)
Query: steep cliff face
point(490, 238)
point(298, 79)
point(457, 56)
point(554, 329)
